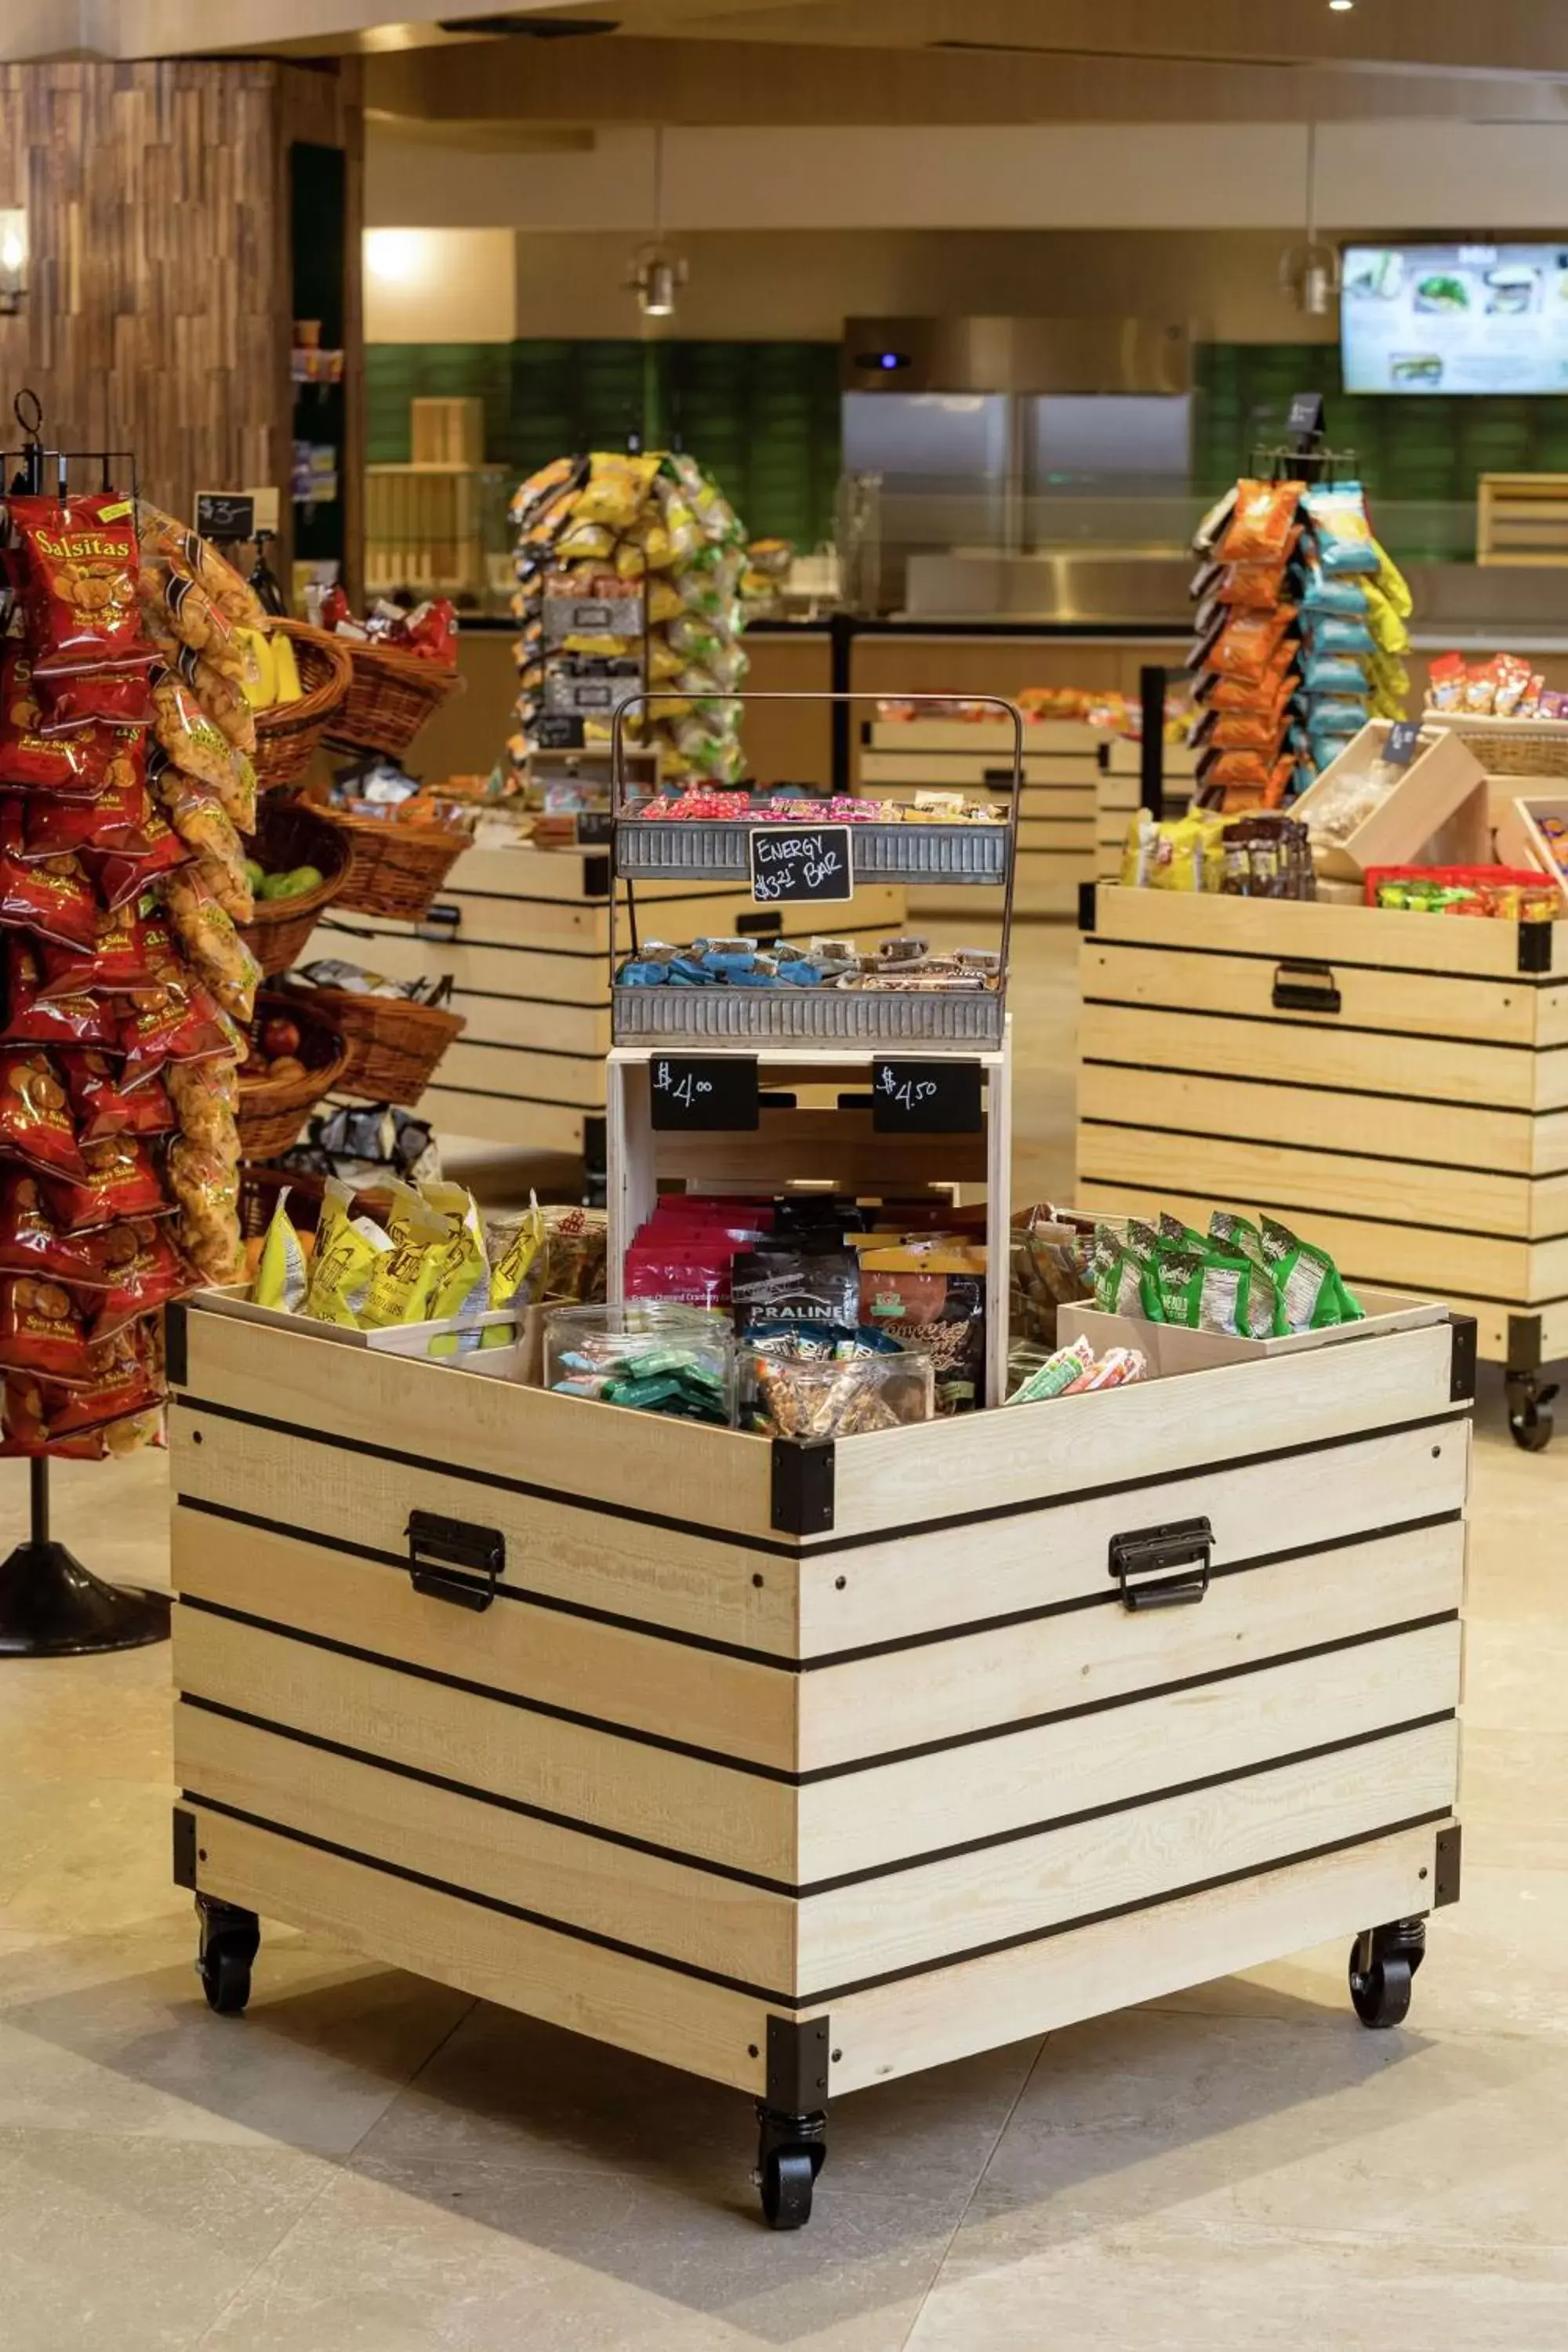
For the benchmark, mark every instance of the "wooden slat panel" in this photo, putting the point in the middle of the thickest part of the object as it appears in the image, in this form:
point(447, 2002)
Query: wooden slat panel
point(875, 1707)
point(1390, 1127)
point(996, 1788)
point(822, 1147)
point(631, 2004)
point(508, 1021)
point(948, 2013)
point(540, 974)
point(676, 1802)
point(732, 1705)
point(1405, 1190)
point(1336, 935)
point(959, 1575)
point(1414, 1004)
point(587, 1882)
point(573, 1080)
point(1095, 1866)
point(498, 1118)
point(717, 1590)
point(981, 1461)
point(638, 1461)
point(1506, 1077)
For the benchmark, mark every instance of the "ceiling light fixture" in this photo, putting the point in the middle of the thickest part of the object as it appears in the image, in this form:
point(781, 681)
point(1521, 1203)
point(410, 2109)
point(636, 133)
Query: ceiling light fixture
point(657, 273)
point(1342, 7)
point(1311, 272)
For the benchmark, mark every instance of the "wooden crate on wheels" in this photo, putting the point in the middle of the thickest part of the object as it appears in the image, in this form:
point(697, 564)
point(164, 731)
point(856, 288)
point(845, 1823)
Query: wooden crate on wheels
point(803, 1766)
point(1395, 1087)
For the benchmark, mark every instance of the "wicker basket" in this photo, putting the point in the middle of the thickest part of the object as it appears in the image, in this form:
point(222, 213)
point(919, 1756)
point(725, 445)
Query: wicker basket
point(393, 869)
point(391, 694)
point(272, 1111)
point(287, 736)
point(393, 1045)
point(290, 832)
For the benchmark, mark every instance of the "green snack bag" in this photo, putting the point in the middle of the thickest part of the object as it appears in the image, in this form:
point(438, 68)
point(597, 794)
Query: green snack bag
point(1240, 1237)
point(1206, 1290)
point(1305, 1278)
point(283, 1276)
point(1173, 1234)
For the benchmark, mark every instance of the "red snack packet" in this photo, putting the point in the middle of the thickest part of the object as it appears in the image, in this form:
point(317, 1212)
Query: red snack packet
point(118, 1180)
point(335, 607)
point(115, 698)
point(180, 1020)
point(123, 875)
point(40, 1330)
point(71, 766)
point(49, 896)
point(101, 1105)
point(25, 1421)
point(431, 629)
point(81, 566)
point(31, 1242)
point(138, 1270)
point(117, 963)
point(115, 820)
point(34, 1115)
point(33, 1019)
point(121, 1378)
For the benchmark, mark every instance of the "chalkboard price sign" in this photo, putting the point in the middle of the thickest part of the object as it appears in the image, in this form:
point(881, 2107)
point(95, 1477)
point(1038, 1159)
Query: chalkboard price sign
point(1403, 736)
point(926, 1098)
point(225, 514)
point(1305, 420)
point(714, 1091)
point(797, 864)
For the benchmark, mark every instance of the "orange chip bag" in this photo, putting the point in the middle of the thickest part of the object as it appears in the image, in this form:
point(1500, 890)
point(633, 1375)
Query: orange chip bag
point(1250, 642)
point(1262, 522)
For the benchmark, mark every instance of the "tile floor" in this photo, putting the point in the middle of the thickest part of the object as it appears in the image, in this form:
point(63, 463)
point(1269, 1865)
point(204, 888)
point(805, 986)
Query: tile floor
point(372, 2164)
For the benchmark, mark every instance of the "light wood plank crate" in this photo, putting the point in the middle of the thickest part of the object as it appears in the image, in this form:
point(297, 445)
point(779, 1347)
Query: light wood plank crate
point(802, 1767)
point(1393, 1085)
point(1058, 823)
point(524, 936)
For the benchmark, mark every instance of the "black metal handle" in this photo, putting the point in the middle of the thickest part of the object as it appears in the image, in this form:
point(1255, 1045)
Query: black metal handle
point(999, 779)
point(1173, 1561)
point(1301, 987)
point(438, 922)
point(479, 1554)
point(765, 926)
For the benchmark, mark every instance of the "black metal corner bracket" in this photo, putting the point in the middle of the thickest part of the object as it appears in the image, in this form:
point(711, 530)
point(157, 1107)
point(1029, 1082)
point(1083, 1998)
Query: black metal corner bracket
point(797, 2064)
point(1461, 1357)
point(1445, 1868)
point(1535, 947)
point(1086, 907)
point(184, 1847)
point(802, 1501)
point(177, 1344)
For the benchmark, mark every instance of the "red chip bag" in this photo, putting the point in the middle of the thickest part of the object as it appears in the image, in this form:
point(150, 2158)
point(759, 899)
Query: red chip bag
point(49, 896)
point(81, 566)
point(40, 1330)
point(68, 765)
point(138, 1270)
point(118, 1180)
point(33, 1019)
point(116, 964)
point(113, 697)
point(25, 1421)
point(31, 1242)
point(123, 875)
point(102, 1103)
point(35, 1116)
point(178, 1022)
point(121, 1377)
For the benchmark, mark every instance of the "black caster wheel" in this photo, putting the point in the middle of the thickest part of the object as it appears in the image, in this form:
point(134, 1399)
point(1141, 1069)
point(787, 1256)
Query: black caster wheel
point(791, 2151)
point(1528, 1419)
point(1380, 1993)
point(230, 1939)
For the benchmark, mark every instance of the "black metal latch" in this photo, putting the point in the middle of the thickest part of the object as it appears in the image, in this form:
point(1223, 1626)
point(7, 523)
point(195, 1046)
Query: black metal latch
point(438, 922)
point(1301, 987)
point(479, 1553)
point(1173, 1559)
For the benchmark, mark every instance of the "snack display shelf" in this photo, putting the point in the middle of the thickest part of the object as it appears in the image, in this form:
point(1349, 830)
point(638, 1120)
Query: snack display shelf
point(803, 1766)
point(1393, 1085)
point(716, 849)
point(962, 1021)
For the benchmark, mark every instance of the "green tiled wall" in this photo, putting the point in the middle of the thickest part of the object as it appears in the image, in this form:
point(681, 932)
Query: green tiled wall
point(762, 417)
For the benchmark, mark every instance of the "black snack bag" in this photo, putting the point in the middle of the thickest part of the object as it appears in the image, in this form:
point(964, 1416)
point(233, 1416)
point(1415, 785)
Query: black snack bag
point(795, 1284)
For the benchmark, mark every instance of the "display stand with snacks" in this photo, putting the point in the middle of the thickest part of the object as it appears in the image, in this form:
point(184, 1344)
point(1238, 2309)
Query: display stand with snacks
point(1396, 1087)
point(123, 777)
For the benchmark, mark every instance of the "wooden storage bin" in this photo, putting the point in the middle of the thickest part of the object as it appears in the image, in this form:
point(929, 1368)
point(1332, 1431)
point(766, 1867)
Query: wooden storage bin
point(802, 1767)
point(524, 937)
point(1436, 815)
point(1395, 1085)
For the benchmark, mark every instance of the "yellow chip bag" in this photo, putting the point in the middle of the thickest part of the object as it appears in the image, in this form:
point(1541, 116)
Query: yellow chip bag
point(403, 1277)
point(348, 1249)
point(462, 1283)
point(283, 1276)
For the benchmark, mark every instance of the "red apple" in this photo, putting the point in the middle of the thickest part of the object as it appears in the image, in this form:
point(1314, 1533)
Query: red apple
point(279, 1036)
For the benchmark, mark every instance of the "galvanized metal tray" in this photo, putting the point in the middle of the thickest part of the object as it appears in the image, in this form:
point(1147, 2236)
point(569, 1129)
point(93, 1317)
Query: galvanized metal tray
point(716, 849)
point(945, 1022)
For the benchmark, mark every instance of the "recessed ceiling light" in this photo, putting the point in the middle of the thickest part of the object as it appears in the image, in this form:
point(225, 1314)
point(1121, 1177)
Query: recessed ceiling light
point(1340, 7)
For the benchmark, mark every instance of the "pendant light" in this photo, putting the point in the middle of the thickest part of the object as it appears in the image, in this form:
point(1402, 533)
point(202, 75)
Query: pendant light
point(1310, 273)
point(656, 272)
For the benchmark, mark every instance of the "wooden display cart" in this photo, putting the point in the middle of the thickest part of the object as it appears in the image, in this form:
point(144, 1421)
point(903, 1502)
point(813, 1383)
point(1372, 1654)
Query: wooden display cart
point(1394, 1085)
point(803, 1766)
point(524, 936)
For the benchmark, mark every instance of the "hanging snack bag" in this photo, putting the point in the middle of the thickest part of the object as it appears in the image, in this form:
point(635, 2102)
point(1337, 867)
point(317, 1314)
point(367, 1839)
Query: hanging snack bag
point(163, 540)
point(71, 766)
point(40, 1330)
point(38, 1017)
point(35, 1124)
point(206, 1188)
point(118, 1181)
point(81, 563)
point(121, 1378)
point(1336, 517)
point(1261, 522)
point(138, 1269)
point(101, 1105)
point(49, 896)
point(31, 1242)
point(115, 964)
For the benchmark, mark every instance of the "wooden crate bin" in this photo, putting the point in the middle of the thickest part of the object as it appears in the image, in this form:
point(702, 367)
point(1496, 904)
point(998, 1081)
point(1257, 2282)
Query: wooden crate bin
point(805, 1767)
point(1394, 1085)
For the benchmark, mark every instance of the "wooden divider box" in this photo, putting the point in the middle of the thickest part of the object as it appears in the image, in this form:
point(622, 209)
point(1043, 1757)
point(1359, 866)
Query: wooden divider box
point(803, 1766)
point(1393, 1084)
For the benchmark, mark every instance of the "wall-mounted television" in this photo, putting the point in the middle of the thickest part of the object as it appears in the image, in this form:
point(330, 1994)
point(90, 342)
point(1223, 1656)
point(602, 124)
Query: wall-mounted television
point(1455, 318)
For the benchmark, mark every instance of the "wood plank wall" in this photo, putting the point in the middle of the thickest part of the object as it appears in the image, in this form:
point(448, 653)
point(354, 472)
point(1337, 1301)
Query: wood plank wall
point(159, 310)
